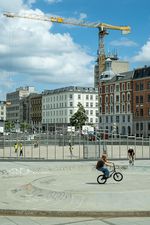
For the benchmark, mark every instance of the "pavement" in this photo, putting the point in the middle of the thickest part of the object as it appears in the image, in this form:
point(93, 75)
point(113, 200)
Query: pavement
point(60, 192)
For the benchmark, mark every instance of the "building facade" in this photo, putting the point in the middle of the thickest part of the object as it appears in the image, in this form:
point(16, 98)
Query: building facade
point(14, 111)
point(59, 105)
point(141, 102)
point(124, 102)
point(2, 110)
point(116, 110)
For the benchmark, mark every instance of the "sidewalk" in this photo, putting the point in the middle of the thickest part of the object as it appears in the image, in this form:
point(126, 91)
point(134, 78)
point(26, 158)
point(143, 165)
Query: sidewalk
point(70, 189)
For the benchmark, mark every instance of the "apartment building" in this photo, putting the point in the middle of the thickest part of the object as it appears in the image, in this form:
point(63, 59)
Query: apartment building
point(141, 102)
point(2, 110)
point(124, 101)
point(115, 108)
point(59, 105)
point(15, 111)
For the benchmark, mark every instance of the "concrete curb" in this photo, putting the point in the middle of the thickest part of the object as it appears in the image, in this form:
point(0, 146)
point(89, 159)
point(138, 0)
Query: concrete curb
point(40, 213)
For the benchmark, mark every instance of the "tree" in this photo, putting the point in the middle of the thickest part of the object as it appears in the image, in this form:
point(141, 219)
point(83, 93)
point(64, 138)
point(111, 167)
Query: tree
point(24, 126)
point(79, 118)
point(9, 125)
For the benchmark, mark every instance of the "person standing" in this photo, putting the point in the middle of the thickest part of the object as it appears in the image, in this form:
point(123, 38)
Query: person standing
point(70, 147)
point(21, 149)
point(16, 147)
point(131, 156)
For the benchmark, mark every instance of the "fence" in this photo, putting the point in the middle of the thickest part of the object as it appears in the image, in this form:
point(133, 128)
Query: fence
point(70, 147)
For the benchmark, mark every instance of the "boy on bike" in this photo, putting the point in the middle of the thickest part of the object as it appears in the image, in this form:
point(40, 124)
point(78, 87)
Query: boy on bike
point(102, 165)
point(131, 156)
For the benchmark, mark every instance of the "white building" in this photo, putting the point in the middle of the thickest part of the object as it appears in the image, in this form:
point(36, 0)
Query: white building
point(2, 110)
point(59, 105)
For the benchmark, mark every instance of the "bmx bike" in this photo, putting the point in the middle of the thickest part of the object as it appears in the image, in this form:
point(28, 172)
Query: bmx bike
point(117, 176)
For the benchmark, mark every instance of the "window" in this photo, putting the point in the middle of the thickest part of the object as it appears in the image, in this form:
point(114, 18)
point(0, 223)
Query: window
point(128, 86)
point(141, 86)
point(117, 119)
point(87, 104)
point(106, 109)
point(141, 125)
point(117, 87)
point(123, 118)
point(70, 96)
point(128, 107)
point(91, 97)
point(123, 97)
point(91, 104)
point(141, 112)
point(79, 96)
point(148, 85)
point(106, 89)
point(141, 99)
point(148, 98)
point(111, 109)
point(128, 96)
point(123, 87)
point(128, 118)
point(91, 112)
point(71, 112)
point(137, 87)
point(137, 99)
point(123, 108)
point(106, 99)
point(106, 119)
point(117, 98)
point(100, 99)
point(71, 104)
point(148, 126)
point(111, 89)
point(87, 97)
point(137, 126)
point(117, 108)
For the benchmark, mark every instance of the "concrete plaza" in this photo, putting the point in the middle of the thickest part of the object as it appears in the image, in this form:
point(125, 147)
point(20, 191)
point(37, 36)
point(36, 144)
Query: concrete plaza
point(67, 192)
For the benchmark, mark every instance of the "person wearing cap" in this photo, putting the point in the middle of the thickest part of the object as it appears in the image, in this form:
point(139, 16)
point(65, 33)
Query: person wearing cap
point(102, 164)
point(131, 156)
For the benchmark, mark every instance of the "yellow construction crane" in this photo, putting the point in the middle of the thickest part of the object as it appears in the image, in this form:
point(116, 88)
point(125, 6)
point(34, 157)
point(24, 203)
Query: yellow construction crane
point(102, 27)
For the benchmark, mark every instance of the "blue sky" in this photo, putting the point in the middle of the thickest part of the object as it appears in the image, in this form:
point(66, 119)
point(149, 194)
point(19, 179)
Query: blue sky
point(49, 56)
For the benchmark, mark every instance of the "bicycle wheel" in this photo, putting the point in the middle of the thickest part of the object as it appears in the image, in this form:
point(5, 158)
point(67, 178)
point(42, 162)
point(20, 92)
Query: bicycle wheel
point(101, 179)
point(117, 176)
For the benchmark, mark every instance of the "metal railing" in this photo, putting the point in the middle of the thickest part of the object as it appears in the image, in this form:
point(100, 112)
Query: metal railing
point(55, 146)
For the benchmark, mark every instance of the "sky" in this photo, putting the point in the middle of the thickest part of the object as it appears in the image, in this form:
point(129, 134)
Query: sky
point(47, 55)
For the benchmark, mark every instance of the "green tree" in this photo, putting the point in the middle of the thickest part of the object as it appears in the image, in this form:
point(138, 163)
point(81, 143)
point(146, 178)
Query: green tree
point(9, 125)
point(25, 126)
point(79, 118)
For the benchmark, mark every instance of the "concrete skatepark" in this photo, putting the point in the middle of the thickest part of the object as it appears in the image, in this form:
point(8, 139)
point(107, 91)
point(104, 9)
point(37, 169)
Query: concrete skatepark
point(66, 192)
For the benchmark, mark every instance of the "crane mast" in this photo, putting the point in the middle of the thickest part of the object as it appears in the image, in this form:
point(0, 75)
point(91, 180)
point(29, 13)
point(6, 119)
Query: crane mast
point(102, 30)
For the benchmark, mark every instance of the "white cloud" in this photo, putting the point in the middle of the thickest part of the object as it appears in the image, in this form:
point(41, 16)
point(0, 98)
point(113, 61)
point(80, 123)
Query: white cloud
point(123, 42)
point(144, 54)
point(13, 5)
point(29, 49)
point(53, 1)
